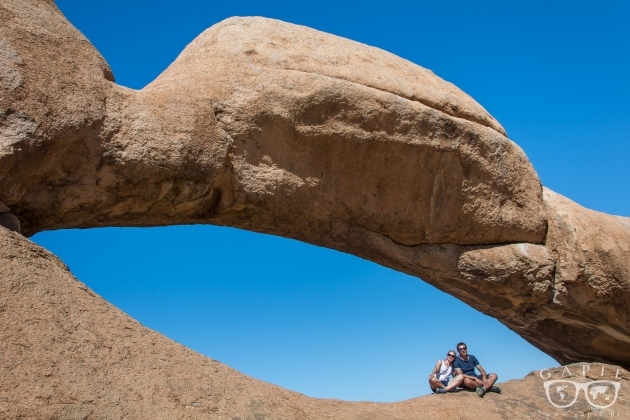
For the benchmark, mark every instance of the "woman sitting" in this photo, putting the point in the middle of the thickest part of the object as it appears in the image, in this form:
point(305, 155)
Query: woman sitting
point(438, 379)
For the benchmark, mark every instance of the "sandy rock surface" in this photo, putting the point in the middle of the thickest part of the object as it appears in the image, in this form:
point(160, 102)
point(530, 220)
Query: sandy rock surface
point(66, 354)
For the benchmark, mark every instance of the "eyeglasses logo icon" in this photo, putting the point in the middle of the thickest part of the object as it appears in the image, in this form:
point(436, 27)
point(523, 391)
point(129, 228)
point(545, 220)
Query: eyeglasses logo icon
point(562, 393)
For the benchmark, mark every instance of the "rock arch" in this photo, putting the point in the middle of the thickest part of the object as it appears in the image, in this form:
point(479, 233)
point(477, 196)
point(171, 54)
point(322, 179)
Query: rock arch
point(282, 129)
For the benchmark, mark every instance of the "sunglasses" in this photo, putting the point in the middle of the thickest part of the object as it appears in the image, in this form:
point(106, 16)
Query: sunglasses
point(450, 355)
point(462, 348)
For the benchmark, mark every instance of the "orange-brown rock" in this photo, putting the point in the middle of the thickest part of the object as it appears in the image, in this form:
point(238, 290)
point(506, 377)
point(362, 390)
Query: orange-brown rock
point(53, 85)
point(288, 136)
point(591, 303)
point(282, 129)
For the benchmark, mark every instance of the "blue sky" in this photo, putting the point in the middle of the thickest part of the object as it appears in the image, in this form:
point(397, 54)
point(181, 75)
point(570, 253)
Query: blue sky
point(328, 324)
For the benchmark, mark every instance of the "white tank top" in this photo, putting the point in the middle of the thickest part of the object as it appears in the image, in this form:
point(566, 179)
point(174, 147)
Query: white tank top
point(445, 371)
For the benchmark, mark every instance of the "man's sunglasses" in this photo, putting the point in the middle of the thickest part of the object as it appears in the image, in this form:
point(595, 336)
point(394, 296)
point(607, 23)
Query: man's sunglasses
point(462, 348)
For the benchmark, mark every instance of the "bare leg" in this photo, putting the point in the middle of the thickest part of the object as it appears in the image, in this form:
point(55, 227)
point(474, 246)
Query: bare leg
point(471, 383)
point(454, 383)
point(435, 383)
point(490, 380)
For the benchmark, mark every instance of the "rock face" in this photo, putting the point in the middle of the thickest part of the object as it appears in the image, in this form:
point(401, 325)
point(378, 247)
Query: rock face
point(282, 129)
point(289, 136)
point(66, 354)
point(591, 302)
point(8, 219)
point(53, 86)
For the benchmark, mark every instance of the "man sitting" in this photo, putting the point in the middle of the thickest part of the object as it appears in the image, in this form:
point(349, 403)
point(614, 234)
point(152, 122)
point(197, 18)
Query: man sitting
point(465, 364)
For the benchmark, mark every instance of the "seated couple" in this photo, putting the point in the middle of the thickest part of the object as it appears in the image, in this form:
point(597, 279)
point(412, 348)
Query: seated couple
point(462, 368)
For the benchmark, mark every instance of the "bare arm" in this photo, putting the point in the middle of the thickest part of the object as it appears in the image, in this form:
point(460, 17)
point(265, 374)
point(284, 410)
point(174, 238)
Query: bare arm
point(435, 369)
point(482, 371)
point(458, 371)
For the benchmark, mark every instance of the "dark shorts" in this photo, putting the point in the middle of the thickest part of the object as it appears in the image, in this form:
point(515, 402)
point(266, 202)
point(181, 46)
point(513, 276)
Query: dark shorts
point(444, 382)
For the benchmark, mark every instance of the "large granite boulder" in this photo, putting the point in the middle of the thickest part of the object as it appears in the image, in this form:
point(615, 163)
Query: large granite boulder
point(289, 136)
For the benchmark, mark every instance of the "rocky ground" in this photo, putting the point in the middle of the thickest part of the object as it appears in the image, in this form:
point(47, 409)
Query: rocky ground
point(278, 128)
point(65, 353)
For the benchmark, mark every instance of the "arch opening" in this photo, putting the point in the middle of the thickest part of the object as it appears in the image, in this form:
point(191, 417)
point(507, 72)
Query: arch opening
point(309, 319)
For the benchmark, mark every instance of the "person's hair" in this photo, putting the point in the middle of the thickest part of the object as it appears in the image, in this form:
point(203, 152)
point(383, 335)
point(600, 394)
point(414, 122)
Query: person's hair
point(460, 344)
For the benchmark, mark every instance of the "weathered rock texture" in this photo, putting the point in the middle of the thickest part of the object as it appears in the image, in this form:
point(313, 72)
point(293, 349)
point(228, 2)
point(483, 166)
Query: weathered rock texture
point(8, 219)
point(68, 354)
point(53, 86)
point(591, 302)
point(282, 129)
